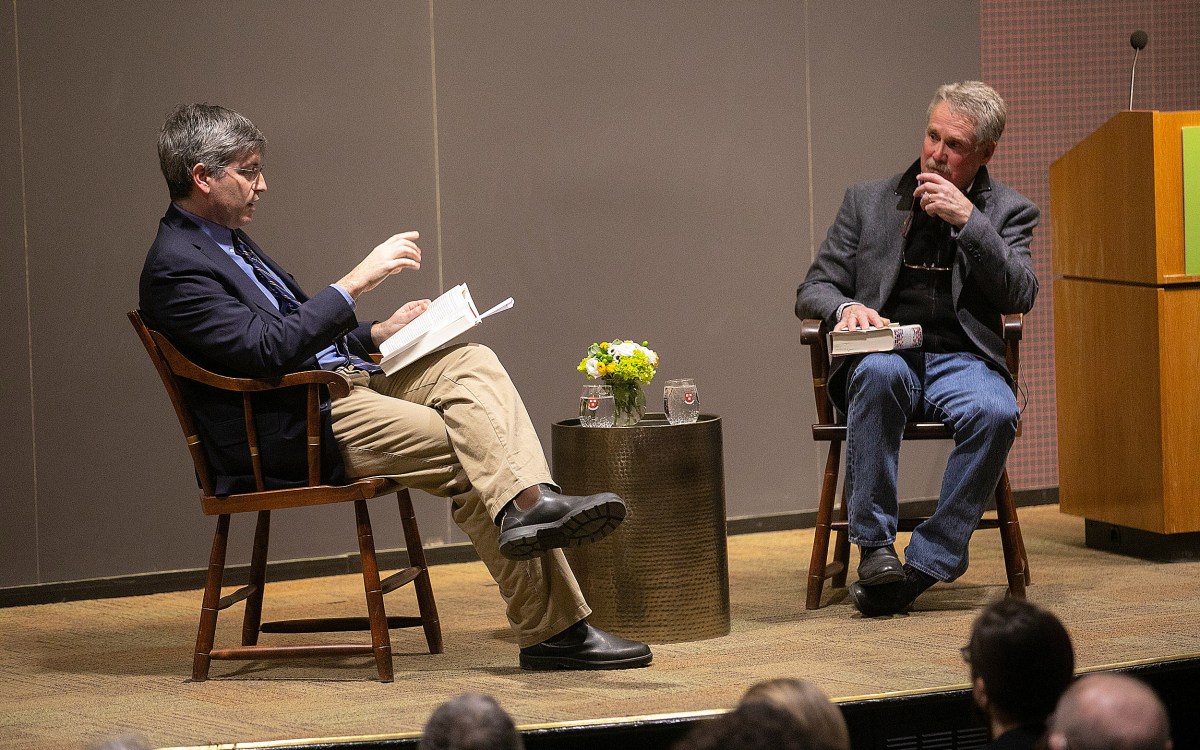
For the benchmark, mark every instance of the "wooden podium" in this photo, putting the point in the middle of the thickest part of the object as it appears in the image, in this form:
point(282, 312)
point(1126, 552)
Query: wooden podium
point(1127, 338)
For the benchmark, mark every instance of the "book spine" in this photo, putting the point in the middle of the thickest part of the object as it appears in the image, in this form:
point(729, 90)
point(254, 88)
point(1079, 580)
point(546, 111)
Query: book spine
point(907, 337)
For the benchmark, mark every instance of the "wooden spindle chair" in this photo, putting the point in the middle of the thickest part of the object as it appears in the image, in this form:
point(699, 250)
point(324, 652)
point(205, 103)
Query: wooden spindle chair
point(172, 366)
point(829, 429)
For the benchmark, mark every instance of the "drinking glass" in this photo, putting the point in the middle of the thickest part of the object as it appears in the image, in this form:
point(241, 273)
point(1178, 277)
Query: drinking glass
point(596, 406)
point(681, 401)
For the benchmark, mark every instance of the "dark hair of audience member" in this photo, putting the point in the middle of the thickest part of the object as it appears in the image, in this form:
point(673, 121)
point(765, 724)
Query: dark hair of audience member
point(1024, 656)
point(757, 725)
point(819, 719)
point(471, 721)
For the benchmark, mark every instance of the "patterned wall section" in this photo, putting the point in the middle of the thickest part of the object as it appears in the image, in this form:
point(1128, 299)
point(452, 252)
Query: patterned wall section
point(1064, 68)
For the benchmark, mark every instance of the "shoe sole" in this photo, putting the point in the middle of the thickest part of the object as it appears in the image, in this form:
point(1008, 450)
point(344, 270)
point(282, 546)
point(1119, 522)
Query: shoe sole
point(584, 526)
point(549, 663)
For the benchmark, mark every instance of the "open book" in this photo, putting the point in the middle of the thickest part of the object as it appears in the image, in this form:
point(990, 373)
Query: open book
point(893, 336)
point(450, 315)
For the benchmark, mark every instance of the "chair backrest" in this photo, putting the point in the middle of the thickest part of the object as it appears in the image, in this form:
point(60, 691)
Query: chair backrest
point(173, 365)
point(812, 334)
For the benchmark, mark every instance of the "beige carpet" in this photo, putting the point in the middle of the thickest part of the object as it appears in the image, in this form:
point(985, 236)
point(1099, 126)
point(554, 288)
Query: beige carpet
point(73, 673)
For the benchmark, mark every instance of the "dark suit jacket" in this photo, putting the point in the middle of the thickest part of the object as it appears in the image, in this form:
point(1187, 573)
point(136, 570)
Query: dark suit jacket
point(195, 294)
point(860, 260)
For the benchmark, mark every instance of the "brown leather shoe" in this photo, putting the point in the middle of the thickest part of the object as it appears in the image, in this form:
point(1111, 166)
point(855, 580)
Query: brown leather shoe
point(558, 520)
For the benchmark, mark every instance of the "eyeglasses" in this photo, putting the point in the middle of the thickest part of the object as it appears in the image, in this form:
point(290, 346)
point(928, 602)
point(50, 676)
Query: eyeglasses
point(250, 173)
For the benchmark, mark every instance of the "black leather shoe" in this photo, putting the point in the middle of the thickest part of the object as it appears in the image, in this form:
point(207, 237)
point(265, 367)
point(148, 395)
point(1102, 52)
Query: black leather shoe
point(890, 598)
point(557, 520)
point(879, 565)
point(582, 646)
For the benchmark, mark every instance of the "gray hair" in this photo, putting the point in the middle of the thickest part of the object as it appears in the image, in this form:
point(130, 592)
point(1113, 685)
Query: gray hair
point(203, 134)
point(979, 102)
point(471, 721)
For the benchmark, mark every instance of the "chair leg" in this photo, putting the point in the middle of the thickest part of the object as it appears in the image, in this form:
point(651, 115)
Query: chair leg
point(212, 597)
point(841, 544)
point(380, 640)
point(416, 559)
point(1015, 563)
point(252, 617)
point(820, 550)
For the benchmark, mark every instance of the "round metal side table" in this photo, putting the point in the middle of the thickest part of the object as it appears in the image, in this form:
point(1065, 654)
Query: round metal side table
point(663, 576)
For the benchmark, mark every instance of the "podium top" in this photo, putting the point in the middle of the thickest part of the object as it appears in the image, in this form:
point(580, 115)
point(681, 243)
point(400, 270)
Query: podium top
point(1116, 201)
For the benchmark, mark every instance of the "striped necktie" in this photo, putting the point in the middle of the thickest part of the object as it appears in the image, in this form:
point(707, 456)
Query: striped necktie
point(288, 303)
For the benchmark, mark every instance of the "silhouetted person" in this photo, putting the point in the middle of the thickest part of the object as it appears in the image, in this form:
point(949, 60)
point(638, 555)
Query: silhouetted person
point(1021, 661)
point(755, 725)
point(819, 721)
point(472, 721)
point(1109, 712)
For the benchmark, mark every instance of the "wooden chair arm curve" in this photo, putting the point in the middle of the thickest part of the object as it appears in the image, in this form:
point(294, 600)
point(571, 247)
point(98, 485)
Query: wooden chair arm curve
point(183, 367)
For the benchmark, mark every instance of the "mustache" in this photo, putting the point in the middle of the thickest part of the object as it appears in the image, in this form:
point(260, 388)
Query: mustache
point(933, 166)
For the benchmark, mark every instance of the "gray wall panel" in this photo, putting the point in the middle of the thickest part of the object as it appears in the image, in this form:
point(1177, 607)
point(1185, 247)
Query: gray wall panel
point(874, 70)
point(19, 530)
point(343, 95)
point(622, 169)
point(636, 170)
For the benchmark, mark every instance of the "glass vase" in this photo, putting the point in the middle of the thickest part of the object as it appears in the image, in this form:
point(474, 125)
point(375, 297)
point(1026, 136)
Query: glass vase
point(629, 400)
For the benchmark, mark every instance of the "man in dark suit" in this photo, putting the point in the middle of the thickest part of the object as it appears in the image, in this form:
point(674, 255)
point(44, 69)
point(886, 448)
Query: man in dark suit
point(945, 246)
point(451, 423)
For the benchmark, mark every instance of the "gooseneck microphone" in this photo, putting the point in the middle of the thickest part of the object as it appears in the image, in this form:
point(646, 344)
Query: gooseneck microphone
point(1137, 40)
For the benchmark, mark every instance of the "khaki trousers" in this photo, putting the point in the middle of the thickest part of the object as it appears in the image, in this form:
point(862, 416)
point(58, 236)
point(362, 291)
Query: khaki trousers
point(453, 424)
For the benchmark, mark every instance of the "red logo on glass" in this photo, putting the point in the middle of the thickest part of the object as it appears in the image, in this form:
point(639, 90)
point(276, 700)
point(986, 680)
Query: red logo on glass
point(689, 398)
point(592, 403)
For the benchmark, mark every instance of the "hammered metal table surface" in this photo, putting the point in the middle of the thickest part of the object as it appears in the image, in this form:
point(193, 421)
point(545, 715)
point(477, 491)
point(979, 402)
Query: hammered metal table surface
point(663, 576)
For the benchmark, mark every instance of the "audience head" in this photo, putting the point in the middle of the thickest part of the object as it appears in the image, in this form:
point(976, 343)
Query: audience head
point(1109, 712)
point(818, 719)
point(471, 721)
point(756, 725)
point(1021, 661)
point(203, 134)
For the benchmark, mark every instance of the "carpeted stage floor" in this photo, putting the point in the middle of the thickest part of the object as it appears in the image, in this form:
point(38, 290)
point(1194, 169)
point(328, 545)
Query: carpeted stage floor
point(73, 673)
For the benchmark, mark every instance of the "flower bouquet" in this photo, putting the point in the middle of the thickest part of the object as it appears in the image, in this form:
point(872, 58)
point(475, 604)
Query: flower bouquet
point(625, 366)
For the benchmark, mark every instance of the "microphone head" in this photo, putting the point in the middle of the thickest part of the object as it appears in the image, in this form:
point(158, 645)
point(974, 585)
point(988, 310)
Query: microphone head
point(1138, 39)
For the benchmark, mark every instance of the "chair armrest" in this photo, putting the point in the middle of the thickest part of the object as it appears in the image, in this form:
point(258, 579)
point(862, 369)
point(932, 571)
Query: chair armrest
point(812, 335)
point(183, 367)
point(1013, 330)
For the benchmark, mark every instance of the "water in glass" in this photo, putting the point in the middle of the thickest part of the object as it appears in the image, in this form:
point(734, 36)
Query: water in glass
point(596, 406)
point(681, 401)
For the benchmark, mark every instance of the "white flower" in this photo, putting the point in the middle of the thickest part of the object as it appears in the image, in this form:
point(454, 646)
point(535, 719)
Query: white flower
point(623, 349)
point(593, 365)
point(650, 355)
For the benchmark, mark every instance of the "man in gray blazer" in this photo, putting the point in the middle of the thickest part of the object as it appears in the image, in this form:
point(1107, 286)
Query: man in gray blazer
point(945, 246)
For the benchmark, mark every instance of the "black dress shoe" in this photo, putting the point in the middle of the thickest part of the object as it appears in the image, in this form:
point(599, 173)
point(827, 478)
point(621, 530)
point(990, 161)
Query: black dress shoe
point(879, 565)
point(890, 598)
point(582, 646)
point(557, 520)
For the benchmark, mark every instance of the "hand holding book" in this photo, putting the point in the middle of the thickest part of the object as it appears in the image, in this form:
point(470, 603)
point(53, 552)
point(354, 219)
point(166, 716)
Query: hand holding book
point(450, 315)
point(882, 339)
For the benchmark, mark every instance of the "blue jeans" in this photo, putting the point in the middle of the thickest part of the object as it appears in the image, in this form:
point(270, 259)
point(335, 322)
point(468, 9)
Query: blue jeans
point(885, 390)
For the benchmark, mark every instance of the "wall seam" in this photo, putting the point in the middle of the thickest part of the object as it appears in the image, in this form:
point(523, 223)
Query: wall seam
point(437, 162)
point(812, 236)
point(37, 547)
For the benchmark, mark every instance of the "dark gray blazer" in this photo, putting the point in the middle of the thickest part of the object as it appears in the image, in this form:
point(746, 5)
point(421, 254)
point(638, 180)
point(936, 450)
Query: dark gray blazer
point(860, 259)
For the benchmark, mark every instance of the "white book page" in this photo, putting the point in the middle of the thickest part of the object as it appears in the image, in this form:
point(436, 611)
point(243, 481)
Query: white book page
point(452, 305)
